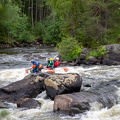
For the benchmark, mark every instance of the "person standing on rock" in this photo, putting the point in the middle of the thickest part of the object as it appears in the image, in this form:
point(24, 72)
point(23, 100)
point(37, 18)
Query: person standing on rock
point(36, 67)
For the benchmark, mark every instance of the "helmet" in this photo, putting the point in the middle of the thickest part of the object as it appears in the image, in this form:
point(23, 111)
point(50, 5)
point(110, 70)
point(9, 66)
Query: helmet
point(57, 58)
point(51, 59)
point(33, 61)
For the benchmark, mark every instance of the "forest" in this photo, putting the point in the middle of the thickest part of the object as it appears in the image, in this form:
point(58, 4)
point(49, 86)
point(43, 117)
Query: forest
point(68, 24)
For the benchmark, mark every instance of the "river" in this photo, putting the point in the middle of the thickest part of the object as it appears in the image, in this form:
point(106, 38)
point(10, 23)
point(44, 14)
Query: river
point(14, 61)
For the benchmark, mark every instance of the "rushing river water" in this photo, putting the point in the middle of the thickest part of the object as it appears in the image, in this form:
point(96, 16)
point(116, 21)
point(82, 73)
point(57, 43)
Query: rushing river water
point(14, 61)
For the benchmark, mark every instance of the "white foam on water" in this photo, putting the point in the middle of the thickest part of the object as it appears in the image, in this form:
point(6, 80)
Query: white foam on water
point(63, 70)
point(103, 114)
point(12, 75)
point(95, 106)
point(118, 93)
point(11, 58)
point(95, 113)
point(17, 114)
point(46, 104)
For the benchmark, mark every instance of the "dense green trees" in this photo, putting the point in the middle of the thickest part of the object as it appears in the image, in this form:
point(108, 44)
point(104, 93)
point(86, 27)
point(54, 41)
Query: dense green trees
point(90, 23)
point(14, 24)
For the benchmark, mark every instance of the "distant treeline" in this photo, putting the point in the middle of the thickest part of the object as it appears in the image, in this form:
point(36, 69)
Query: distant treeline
point(78, 23)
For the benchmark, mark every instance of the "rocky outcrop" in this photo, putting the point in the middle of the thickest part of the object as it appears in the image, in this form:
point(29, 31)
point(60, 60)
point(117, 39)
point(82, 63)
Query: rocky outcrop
point(111, 58)
point(105, 94)
point(28, 87)
point(22, 92)
point(62, 83)
point(112, 47)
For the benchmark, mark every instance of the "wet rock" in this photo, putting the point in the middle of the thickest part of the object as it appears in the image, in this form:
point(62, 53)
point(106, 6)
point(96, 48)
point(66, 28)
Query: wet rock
point(104, 94)
point(62, 84)
point(4, 104)
point(27, 103)
point(92, 60)
point(107, 61)
point(112, 47)
point(87, 85)
point(28, 87)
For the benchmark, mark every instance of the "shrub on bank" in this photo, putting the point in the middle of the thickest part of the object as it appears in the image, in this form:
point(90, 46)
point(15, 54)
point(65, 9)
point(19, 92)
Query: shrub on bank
point(99, 52)
point(69, 49)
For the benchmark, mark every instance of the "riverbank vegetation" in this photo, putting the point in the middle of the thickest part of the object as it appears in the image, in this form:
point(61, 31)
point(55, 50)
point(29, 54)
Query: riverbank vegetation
point(90, 23)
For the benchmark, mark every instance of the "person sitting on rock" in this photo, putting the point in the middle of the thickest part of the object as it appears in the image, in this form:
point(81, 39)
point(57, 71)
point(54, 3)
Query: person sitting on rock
point(36, 67)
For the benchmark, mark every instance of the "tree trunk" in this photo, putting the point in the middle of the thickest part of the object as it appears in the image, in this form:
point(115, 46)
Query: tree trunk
point(29, 8)
point(32, 14)
point(36, 12)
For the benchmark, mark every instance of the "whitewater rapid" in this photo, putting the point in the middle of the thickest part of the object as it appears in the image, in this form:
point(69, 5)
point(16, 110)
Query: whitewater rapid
point(14, 61)
point(93, 73)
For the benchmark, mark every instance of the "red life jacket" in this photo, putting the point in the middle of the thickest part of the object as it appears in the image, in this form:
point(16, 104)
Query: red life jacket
point(57, 63)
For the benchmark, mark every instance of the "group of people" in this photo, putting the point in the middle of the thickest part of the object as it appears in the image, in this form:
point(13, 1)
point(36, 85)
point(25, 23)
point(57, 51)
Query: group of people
point(51, 63)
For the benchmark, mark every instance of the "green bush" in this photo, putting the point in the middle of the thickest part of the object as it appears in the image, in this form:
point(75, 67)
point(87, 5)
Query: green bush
point(98, 52)
point(26, 36)
point(69, 49)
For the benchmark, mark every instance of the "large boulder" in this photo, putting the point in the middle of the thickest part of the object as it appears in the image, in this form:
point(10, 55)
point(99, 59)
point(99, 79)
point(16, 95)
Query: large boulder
point(104, 94)
point(62, 84)
point(28, 87)
point(113, 58)
point(112, 47)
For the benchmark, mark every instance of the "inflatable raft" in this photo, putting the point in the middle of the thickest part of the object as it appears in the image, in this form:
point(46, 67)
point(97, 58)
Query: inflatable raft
point(48, 70)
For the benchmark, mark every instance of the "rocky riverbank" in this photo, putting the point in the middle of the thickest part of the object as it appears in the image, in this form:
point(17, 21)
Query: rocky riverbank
point(112, 57)
point(37, 42)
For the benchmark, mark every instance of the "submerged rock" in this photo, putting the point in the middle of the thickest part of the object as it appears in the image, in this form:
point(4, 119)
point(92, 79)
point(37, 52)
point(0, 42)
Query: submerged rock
point(27, 103)
point(5, 104)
